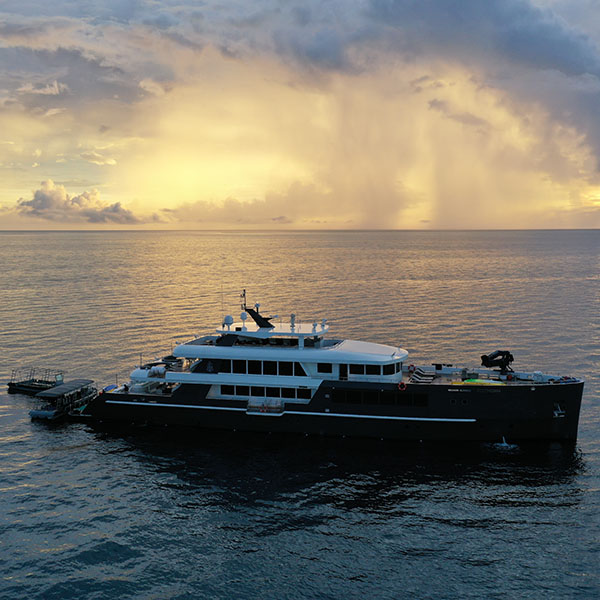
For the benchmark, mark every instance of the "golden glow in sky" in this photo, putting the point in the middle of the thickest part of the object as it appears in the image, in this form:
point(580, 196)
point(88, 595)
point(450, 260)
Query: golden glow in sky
point(381, 115)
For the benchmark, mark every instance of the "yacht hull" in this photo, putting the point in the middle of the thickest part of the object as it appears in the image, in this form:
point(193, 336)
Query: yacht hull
point(548, 412)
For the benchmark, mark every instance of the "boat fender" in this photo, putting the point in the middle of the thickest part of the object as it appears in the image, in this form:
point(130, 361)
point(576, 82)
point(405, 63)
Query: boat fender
point(402, 386)
point(412, 368)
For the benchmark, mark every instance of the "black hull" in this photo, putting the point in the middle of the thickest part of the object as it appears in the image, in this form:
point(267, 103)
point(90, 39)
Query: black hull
point(548, 412)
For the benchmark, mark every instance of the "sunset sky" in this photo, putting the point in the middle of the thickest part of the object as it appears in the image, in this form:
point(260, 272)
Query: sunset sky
point(408, 114)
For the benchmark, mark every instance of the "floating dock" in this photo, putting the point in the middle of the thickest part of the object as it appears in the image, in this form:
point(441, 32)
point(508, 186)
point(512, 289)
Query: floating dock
point(31, 381)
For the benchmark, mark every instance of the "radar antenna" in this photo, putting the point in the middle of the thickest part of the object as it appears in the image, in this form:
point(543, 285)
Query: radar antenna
point(256, 316)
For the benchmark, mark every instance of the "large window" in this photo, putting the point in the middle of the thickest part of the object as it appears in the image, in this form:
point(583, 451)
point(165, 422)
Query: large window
point(299, 370)
point(270, 367)
point(373, 369)
point(324, 368)
point(254, 367)
point(258, 391)
point(357, 369)
point(267, 367)
point(286, 368)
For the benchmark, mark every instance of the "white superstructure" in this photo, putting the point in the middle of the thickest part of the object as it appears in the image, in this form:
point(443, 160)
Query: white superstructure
point(285, 356)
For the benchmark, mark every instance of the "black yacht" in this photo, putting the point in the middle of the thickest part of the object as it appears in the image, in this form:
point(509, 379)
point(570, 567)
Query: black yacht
point(290, 377)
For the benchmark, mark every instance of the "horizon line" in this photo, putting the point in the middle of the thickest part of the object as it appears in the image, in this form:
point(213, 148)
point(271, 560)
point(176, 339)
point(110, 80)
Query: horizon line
point(263, 230)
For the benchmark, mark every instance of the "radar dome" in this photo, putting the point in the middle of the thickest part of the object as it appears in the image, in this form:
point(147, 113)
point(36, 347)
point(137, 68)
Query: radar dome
point(228, 320)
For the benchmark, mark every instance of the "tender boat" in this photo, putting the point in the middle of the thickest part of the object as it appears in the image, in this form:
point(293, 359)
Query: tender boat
point(290, 377)
point(59, 401)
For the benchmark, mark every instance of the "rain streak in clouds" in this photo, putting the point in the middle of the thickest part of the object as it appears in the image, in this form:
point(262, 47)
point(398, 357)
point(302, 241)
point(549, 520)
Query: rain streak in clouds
point(380, 113)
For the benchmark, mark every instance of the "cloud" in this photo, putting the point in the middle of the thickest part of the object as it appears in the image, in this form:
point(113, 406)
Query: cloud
point(466, 118)
point(382, 113)
point(470, 29)
point(152, 87)
point(299, 206)
point(51, 89)
point(96, 158)
point(52, 202)
point(514, 46)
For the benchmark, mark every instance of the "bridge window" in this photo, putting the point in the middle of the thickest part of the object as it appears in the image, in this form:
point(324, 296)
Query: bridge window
point(225, 366)
point(270, 367)
point(286, 368)
point(389, 369)
point(299, 370)
point(239, 366)
point(324, 368)
point(254, 367)
point(373, 369)
point(357, 369)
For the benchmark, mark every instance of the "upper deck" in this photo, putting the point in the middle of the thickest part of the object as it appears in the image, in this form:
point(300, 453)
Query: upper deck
point(277, 348)
point(290, 330)
point(262, 340)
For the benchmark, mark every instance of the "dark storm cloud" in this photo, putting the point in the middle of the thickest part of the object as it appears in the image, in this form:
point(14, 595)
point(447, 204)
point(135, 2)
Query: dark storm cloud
point(465, 118)
point(512, 45)
point(472, 29)
point(324, 48)
point(78, 75)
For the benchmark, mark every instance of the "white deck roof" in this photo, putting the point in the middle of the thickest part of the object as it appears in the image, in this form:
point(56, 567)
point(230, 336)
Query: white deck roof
point(346, 351)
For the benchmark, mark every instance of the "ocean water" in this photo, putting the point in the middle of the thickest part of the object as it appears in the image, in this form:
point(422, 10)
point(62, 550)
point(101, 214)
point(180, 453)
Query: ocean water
point(155, 513)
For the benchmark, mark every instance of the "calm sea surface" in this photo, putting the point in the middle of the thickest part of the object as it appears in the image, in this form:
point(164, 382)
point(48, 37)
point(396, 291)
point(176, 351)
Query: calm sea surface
point(86, 513)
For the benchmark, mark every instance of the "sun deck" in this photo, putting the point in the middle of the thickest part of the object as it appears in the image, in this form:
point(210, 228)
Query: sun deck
point(447, 375)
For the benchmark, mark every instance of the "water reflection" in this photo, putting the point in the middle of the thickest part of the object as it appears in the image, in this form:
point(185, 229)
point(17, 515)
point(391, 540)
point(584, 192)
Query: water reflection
point(238, 470)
